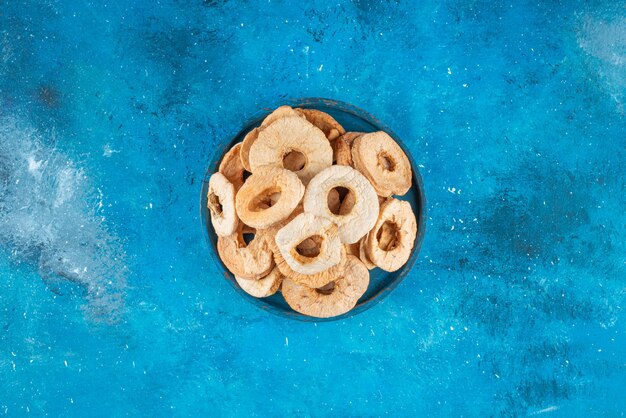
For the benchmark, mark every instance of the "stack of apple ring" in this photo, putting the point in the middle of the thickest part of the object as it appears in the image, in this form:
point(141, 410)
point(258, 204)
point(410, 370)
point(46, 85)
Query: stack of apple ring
point(315, 213)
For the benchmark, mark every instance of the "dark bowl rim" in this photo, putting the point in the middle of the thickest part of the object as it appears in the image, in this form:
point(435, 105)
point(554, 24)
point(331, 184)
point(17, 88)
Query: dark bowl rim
point(355, 111)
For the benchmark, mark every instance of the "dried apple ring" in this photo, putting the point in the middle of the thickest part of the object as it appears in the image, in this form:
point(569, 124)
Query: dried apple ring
point(280, 112)
point(343, 148)
point(303, 226)
point(363, 254)
point(289, 135)
point(322, 120)
point(336, 298)
point(268, 196)
point(309, 248)
point(310, 280)
point(250, 261)
point(355, 220)
point(383, 162)
point(231, 166)
point(221, 205)
point(390, 242)
point(263, 287)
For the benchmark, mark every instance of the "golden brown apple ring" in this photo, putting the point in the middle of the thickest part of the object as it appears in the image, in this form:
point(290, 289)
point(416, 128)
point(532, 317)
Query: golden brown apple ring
point(251, 261)
point(334, 299)
point(263, 287)
point(268, 196)
point(391, 241)
point(383, 162)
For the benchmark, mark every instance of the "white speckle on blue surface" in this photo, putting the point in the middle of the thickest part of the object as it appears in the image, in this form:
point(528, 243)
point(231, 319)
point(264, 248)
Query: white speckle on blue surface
point(177, 79)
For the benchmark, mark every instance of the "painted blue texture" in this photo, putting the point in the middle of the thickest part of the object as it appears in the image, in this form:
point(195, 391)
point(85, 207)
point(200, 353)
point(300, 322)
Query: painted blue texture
point(110, 112)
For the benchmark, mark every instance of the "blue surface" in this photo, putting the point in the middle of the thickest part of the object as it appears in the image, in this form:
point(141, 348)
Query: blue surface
point(109, 304)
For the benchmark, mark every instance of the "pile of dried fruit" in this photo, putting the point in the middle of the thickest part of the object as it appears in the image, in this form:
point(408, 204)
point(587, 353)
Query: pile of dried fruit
point(316, 227)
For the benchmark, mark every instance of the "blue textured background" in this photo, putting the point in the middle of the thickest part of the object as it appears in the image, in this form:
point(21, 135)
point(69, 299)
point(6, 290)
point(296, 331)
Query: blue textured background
point(514, 111)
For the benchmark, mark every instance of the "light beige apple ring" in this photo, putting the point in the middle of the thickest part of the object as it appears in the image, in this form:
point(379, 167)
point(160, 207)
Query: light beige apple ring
point(336, 298)
point(287, 136)
point(383, 162)
point(263, 287)
point(391, 241)
point(280, 112)
point(355, 220)
point(221, 205)
point(250, 261)
point(303, 226)
point(268, 196)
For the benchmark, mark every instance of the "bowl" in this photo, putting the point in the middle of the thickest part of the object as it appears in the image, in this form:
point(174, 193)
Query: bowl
point(381, 282)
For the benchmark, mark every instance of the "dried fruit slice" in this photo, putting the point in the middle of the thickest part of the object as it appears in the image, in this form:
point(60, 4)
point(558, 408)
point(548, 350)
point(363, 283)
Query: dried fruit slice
point(250, 261)
point(251, 137)
point(383, 162)
point(363, 254)
point(268, 196)
point(390, 242)
point(304, 226)
point(263, 287)
point(221, 204)
point(288, 135)
point(359, 210)
point(322, 120)
point(336, 298)
point(231, 166)
point(343, 148)
point(310, 280)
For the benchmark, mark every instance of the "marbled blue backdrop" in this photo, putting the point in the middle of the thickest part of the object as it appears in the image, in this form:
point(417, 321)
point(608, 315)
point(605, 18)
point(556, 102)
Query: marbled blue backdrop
point(110, 112)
